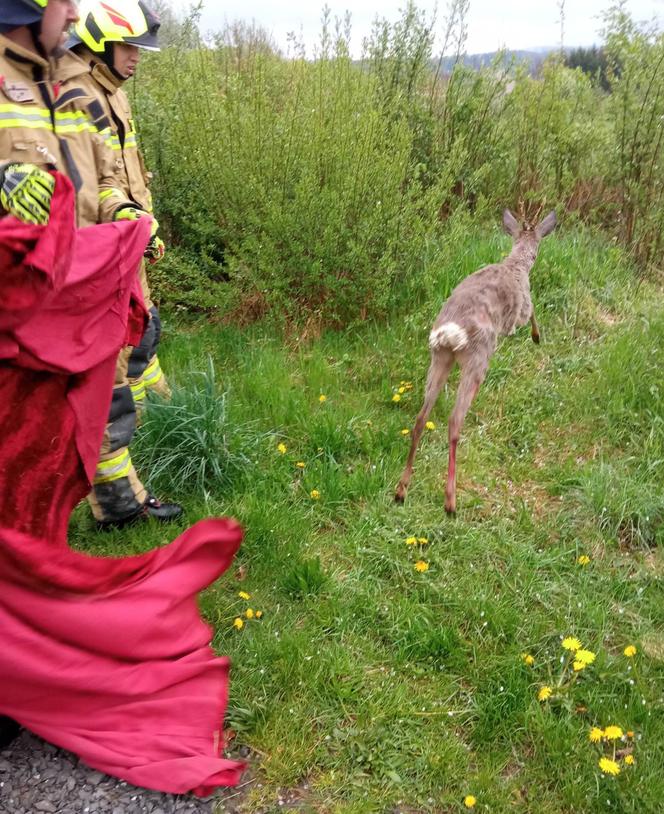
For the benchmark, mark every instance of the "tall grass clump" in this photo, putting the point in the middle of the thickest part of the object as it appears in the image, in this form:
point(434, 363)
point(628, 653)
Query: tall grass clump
point(191, 444)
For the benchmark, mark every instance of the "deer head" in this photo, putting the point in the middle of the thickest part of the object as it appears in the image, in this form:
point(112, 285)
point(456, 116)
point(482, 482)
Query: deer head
point(517, 230)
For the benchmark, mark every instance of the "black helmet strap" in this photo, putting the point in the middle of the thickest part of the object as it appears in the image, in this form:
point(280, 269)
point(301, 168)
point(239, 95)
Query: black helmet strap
point(35, 30)
point(108, 57)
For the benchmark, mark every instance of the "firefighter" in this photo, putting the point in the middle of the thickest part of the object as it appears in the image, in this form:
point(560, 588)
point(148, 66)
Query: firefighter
point(104, 53)
point(33, 118)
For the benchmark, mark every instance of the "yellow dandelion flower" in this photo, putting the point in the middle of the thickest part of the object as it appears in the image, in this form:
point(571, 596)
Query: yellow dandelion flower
point(630, 651)
point(315, 494)
point(322, 399)
point(405, 431)
point(238, 624)
point(544, 694)
point(430, 425)
point(609, 766)
point(469, 801)
point(579, 665)
point(613, 733)
point(396, 398)
point(259, 614)
point(422, 541)
point(528, 659)
point(629, 734)
point(402, 390)
point(584, 559)
point(282, 449)
point(244, 595)
point(300, 465)
point(411, 540)
point(571, 643)
point(585, 656)
point(629, 760)
point(250, 613)
point(421, 566)
point(596, 735)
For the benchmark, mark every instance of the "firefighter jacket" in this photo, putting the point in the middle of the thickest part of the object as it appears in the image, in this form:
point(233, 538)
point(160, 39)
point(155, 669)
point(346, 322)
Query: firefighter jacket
point(39, 124)
point(112, 105)
point(73, 74)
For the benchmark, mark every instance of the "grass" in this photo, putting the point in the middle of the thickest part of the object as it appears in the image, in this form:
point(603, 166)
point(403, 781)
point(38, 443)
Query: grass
point(370, 687)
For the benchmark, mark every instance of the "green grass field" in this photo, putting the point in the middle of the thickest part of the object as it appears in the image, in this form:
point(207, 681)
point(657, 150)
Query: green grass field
point(367, 685)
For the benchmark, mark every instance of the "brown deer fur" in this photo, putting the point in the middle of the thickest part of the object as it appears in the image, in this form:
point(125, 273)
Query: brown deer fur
point(490, 303)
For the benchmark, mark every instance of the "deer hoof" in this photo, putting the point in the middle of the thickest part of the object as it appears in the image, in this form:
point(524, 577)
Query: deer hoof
point(536, 338)
point(450, 510)
point(400, 495)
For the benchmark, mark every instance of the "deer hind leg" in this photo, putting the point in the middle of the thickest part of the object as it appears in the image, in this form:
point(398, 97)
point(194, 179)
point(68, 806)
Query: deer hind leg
point(442, 361)
point(473, 372)
point(534, 328)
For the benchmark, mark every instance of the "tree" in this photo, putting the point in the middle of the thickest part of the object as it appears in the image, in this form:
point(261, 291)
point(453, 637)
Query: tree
point(592, 61)
point(177, 31)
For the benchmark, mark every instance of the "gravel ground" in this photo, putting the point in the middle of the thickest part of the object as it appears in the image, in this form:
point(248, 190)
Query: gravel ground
point(37, 778)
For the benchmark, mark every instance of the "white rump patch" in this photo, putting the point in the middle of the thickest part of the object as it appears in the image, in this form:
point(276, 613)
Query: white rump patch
point(450, 335)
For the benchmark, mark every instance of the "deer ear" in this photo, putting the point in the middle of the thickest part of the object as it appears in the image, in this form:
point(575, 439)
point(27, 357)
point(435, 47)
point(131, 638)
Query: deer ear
point(511, 224)
point(547, 225)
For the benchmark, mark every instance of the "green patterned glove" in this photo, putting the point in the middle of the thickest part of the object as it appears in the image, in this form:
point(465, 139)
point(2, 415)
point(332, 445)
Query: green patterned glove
point(155, 248)
point(26, 193)
point(134, 213)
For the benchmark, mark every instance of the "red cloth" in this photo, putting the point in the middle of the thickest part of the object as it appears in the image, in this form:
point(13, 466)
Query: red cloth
point(70, 301)
point(106, 657)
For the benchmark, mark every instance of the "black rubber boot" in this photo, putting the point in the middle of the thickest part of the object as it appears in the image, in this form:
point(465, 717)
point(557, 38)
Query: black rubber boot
point(9, 731)
point(162, 512)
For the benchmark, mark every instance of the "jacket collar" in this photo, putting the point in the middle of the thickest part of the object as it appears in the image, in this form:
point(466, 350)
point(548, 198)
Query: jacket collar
point(24, 59)
point(70, 66)
point(105, 77)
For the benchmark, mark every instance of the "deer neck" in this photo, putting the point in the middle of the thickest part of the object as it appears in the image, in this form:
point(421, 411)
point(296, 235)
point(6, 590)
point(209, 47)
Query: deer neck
point(523, 256)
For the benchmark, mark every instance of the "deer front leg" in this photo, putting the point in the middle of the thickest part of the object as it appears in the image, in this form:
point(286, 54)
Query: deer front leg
point(534, 332)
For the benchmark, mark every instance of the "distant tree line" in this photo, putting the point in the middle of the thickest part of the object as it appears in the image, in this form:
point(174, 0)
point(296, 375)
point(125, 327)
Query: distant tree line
point(592, 61)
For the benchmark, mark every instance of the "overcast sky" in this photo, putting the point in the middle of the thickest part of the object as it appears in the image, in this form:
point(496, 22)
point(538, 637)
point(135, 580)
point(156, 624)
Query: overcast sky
point(491, 23)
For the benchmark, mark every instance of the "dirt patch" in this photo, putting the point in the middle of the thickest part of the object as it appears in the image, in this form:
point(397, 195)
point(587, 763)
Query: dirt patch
point(654, 562)
point(506, 494)
point(653, 646)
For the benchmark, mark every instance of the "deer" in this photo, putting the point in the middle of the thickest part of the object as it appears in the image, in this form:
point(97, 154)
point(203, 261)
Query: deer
point(492, 302)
